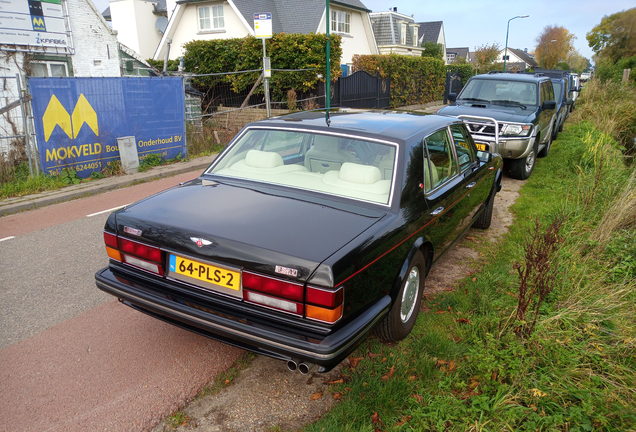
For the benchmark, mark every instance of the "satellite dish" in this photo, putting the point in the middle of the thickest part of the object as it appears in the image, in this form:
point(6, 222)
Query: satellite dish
point(161, 23)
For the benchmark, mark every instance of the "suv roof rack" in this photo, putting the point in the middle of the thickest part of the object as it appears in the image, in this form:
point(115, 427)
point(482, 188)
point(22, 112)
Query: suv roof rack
point(494, 72)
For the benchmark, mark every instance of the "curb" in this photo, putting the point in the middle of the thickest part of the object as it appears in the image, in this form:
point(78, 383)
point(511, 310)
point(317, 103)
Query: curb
point(15, 205)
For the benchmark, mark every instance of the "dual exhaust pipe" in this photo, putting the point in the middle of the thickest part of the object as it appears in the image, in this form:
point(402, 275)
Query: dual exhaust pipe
point(302, 367)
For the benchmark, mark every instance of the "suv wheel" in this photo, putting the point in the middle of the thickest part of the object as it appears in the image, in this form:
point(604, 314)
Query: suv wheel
point(521, 169)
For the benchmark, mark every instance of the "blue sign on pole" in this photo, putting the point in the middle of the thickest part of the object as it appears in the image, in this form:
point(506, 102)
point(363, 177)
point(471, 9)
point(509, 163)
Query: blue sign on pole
point(78, 120)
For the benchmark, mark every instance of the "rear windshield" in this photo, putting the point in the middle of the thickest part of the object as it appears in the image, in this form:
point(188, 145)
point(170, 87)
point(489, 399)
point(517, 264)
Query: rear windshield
point(501, 90)
point(332, 164)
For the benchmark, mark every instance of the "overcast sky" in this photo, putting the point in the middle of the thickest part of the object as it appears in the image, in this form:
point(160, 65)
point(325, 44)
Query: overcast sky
point(472, 23)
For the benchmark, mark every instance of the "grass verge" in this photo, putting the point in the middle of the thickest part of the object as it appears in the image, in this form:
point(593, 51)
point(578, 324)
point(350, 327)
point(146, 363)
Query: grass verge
point(469, 364)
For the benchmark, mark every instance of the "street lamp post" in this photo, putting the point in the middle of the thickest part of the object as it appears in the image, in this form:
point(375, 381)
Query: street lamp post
point(507, 30)
point(543, 60)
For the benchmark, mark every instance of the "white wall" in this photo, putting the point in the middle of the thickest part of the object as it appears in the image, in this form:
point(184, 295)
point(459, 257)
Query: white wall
point(135, 25)
point(96, 47)
point(188, 29)
point(359, 41)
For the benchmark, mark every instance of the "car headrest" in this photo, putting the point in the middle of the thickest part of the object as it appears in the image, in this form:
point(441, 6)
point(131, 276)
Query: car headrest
point(261, 159)
point(360, 174)
point(326, 143)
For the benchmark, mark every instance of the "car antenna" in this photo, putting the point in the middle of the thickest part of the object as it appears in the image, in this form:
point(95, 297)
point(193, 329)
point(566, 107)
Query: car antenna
point(327, 119)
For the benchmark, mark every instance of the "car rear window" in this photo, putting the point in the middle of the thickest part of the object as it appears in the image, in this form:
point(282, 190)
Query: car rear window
point(340, 165)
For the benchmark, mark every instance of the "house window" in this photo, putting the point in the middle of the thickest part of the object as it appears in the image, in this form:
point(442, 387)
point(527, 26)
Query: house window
point(403, 33)
point(211, 18)
point(341, 22)
point(49, 69)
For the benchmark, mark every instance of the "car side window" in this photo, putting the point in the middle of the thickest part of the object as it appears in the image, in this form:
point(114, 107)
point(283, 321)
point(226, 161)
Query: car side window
point(464, 147)
point(441, 164)
point(544, 92)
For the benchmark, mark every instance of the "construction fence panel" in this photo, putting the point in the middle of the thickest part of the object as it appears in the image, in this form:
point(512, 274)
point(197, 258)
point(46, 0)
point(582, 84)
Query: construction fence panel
point(78, 120)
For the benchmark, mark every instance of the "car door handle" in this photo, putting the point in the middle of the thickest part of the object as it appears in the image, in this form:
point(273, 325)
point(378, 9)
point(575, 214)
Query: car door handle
point(470, 185)
point(437, 211)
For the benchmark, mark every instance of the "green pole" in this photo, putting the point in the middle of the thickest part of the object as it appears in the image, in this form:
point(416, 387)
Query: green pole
point(328, 83)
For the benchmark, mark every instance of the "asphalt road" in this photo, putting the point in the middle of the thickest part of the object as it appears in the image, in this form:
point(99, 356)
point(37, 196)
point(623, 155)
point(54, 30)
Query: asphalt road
point(72, 357)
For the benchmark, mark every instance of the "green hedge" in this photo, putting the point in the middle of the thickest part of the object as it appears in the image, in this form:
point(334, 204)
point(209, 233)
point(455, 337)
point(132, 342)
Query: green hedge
point(287, 51)
point(414, 80)
point(465, 70)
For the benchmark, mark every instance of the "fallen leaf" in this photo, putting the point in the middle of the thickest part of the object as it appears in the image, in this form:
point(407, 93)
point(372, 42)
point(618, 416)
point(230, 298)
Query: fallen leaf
point(412, 378)
point(417, 397)
point(383, 359)
point(462, 320)
point(316, 396)
point(494, 375)
point(373, 355)
point(227, 382)
point(337, 396)
point(375, 418)
point(338, 381)
point(440, 311)
point(473, 382)
point(451, 366)
point(310, 381)
point(354, 361)
point(470, 238)
point(405, 419)
point(474, 279)
point(348, 388)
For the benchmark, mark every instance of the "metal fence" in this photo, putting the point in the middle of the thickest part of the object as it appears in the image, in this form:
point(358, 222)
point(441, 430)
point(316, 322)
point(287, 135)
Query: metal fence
point(16, 142)
point(453, 84)
point(361, 90)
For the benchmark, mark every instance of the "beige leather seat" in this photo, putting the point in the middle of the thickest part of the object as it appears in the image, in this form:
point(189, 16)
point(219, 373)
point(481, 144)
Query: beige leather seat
point(427, 179)
point(326, 155)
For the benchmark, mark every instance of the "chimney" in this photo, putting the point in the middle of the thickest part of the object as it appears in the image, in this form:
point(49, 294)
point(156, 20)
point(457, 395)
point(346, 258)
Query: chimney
point(395, 9)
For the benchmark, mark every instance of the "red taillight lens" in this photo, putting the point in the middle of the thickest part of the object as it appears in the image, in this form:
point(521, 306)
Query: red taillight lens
point(110, 239)
point(140, 250)
point(320, 297)
point(134, 253)
point(283, 295)
point(275, 287)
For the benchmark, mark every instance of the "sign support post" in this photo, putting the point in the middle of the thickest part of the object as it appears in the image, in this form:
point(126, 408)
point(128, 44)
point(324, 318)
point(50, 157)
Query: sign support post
point(263, 30)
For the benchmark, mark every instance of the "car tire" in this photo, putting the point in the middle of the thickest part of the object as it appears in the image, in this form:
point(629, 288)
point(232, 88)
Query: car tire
point(545, 150)
point(402, 316)
point(561, 126)
point(485, 218)
point(521, 169)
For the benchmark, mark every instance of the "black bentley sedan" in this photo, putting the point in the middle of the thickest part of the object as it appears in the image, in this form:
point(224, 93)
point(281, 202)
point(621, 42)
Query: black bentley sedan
point(304, 235)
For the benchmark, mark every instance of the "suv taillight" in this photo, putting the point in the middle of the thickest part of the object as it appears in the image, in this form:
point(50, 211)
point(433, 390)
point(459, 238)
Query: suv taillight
point(131, 252)
point(319, 304)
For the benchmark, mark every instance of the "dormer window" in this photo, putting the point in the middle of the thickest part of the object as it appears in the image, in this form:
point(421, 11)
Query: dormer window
point(341, 21)
point(211, 18)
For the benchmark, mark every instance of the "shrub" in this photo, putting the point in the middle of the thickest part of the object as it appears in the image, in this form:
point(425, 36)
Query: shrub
point(414, 80)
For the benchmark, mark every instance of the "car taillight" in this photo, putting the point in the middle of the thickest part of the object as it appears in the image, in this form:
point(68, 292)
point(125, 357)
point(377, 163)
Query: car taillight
point(320, 304)
point(283, 295)
point(324, 305)
point(134, 253)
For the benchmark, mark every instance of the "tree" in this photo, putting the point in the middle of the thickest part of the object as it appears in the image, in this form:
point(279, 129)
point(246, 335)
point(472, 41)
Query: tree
point(563, 66)
point(486, 55)
point(432, 49)
point(549, 53)
point(577, 62)
point(615, 37)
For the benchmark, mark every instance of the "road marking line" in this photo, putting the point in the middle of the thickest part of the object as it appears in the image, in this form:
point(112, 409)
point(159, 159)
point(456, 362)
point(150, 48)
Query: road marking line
point(7, 238)
point(107, 211)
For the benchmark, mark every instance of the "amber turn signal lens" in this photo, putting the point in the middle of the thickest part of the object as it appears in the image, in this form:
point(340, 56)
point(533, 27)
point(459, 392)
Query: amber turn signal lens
point(113, 253)
point(322, 314)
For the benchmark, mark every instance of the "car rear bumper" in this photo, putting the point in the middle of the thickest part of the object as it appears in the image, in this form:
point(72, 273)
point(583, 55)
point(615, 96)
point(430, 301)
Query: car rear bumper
point(240, 330)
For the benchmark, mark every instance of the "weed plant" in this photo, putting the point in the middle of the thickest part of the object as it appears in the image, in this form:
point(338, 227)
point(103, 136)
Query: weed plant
point(466, 366)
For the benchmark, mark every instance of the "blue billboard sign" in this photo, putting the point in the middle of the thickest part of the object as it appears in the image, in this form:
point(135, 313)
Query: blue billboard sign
point(78, 120)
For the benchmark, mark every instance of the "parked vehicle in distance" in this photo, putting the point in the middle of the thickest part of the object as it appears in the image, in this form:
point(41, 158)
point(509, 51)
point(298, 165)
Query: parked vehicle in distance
point(303, 236)
point(577, 90)
point(563, 104)
point(585, 76)
point(510, 114)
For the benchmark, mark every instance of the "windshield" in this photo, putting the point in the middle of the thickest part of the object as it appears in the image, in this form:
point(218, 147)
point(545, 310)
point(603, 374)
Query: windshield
point(330, 164)
point(557, 90)
point(524, 93)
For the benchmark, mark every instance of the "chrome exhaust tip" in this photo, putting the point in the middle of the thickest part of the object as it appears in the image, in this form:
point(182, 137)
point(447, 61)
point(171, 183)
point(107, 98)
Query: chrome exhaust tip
point(292, 366)
point(304, 368)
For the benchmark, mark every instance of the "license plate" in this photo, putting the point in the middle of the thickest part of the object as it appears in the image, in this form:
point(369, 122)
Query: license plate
point(481, 147)
point(205, 275)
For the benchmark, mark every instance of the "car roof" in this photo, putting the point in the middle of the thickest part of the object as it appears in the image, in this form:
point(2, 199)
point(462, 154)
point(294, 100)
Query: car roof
point(398, 125)
point(521, 77)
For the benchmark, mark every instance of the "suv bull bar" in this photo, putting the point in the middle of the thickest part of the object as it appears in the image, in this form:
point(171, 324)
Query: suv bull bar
point(486, 121)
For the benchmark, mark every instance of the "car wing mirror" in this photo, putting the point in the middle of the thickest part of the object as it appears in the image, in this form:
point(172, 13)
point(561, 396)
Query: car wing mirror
point(484, 156)
point(568, 101)
point(452, 97)
point(548, 105)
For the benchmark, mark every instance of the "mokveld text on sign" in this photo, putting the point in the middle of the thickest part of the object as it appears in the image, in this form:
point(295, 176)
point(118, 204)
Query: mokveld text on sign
point(75, 151)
